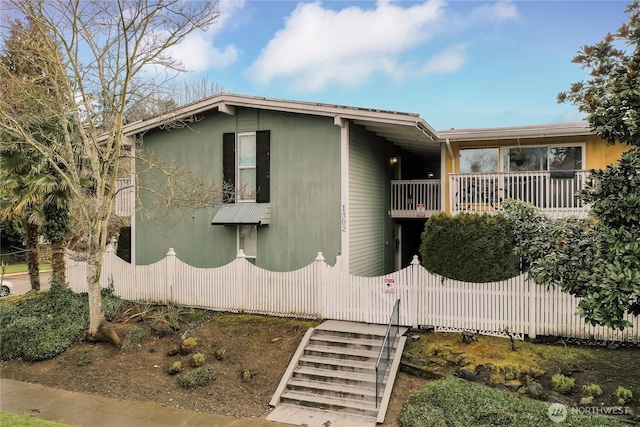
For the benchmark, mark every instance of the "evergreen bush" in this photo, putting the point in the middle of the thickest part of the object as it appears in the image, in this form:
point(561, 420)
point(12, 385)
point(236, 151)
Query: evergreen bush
point(469, 247)
point(43, 326)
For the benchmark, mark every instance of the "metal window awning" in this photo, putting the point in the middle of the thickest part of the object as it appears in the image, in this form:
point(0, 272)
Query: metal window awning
point(243, 213)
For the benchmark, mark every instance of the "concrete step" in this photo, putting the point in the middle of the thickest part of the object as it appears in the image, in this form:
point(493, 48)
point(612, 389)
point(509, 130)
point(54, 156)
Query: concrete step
point(337, 364)
point(333, 371)
point(342, 353)
point(367, 394)
point(351, 334)
point(348, 342)
point(335, 377)
point(352, 406)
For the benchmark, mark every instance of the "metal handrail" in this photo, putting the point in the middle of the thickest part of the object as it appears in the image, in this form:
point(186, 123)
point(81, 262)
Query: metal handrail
point(382, 364)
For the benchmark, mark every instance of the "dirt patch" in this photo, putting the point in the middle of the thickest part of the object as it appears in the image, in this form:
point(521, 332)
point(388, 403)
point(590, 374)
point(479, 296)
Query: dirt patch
point(261, 345)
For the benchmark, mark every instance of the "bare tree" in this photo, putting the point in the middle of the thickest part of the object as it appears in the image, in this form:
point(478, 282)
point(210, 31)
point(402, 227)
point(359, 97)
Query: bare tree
point(171, 98)
point(112, 54)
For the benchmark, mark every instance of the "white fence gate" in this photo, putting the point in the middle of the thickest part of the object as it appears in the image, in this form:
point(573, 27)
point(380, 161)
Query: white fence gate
point(322, 291)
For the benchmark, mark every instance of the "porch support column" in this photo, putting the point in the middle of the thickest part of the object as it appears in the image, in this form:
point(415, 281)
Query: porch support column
point(344, 190)
point(443, 177)
point(133, 195)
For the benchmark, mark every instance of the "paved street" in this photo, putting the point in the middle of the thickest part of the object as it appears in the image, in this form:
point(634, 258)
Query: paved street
point(21, 284)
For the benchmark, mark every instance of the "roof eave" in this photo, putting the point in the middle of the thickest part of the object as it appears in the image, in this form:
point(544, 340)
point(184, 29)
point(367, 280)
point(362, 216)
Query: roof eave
point(518, 132)
point(222, 101)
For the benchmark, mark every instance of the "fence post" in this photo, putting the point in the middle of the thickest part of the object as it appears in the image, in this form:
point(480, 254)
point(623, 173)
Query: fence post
point(320, 285)
point(170, 275)
point(106, 272)
point(532, 306)
point(241, 258)
point(413, 311)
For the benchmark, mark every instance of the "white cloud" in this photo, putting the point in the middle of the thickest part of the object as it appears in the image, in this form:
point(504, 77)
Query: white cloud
point(319, 47)
point(198, 51)
point(446, 61)
point(500, 11)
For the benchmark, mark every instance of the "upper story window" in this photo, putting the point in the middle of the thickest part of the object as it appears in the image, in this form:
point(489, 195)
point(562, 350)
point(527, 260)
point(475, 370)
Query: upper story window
point(246, 171)
point(550, 158)
point(246, 167)
point(521, 158)
point(479, 160)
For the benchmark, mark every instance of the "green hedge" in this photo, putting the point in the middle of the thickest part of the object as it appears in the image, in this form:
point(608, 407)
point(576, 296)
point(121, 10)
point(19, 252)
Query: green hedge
point(457, 402)
point(469, 247)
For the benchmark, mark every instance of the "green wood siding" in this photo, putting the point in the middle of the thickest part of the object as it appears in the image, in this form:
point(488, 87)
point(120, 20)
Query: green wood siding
point(305, 196)
point(371, 245)
point(305, 192)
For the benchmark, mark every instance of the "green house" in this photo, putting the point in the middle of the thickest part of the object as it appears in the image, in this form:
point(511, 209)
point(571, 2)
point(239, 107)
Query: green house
point(295, 178)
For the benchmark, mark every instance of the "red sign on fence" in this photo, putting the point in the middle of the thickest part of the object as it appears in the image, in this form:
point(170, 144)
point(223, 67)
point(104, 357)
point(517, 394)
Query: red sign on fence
point(389, 286)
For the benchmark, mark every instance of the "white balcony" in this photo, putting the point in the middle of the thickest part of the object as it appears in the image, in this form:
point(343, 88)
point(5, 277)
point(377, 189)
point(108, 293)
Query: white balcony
point(554, 192)
point(415, 198)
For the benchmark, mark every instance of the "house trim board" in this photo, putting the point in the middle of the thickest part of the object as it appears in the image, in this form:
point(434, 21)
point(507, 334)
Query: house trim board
point(344, 191)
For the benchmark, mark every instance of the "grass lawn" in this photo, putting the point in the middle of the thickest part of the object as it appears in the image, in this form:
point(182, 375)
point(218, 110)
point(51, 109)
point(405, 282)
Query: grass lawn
point(22, 268)
point(7, 419)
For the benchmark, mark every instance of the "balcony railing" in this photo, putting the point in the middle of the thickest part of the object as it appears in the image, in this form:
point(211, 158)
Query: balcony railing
point(554, 192)
point(124, 197)
point(415, 198)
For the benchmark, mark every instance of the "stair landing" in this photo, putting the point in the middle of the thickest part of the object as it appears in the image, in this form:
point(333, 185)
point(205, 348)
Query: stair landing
point(285, 412)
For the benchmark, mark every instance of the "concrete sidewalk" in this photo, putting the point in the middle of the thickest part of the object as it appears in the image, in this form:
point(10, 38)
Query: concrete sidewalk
point(87, 410)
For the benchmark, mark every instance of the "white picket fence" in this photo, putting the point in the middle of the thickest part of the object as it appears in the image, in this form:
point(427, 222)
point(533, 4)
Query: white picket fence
point(329, 292)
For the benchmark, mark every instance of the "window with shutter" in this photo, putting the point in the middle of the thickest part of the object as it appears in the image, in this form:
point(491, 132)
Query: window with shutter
point(246, 167)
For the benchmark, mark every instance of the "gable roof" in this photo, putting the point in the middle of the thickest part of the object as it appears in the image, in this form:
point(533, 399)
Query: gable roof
point(406, 130)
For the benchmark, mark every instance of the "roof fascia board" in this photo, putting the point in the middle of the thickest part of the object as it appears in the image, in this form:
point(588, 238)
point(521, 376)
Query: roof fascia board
point(226, 101)
point(541, 131)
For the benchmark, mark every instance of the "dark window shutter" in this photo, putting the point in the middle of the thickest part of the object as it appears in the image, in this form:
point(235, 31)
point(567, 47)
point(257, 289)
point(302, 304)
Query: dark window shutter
point(229, 167)
point(263, 173)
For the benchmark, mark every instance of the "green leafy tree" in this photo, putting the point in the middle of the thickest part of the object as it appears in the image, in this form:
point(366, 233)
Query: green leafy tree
point(611, 96)
point(610, 281)
point(597, 259)
point(19, 198)
point(576, 255)
point(56, 229)
point(27, 183)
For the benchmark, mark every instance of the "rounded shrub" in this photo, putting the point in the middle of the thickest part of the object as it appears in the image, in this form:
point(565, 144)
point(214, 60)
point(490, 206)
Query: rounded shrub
point(44, 325)
point(188, 345)
point(197, 360)
point(591, 390)
point(623, 395)
point(469, 247)
point(562, 384)
point(197, 378)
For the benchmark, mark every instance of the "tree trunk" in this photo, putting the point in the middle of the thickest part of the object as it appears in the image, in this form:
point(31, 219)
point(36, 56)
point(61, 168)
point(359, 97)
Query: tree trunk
point(33, 258)
point(58, 266)
point(96, 315)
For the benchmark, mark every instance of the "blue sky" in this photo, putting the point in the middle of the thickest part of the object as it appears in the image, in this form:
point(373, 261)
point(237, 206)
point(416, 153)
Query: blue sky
point(459, 64)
